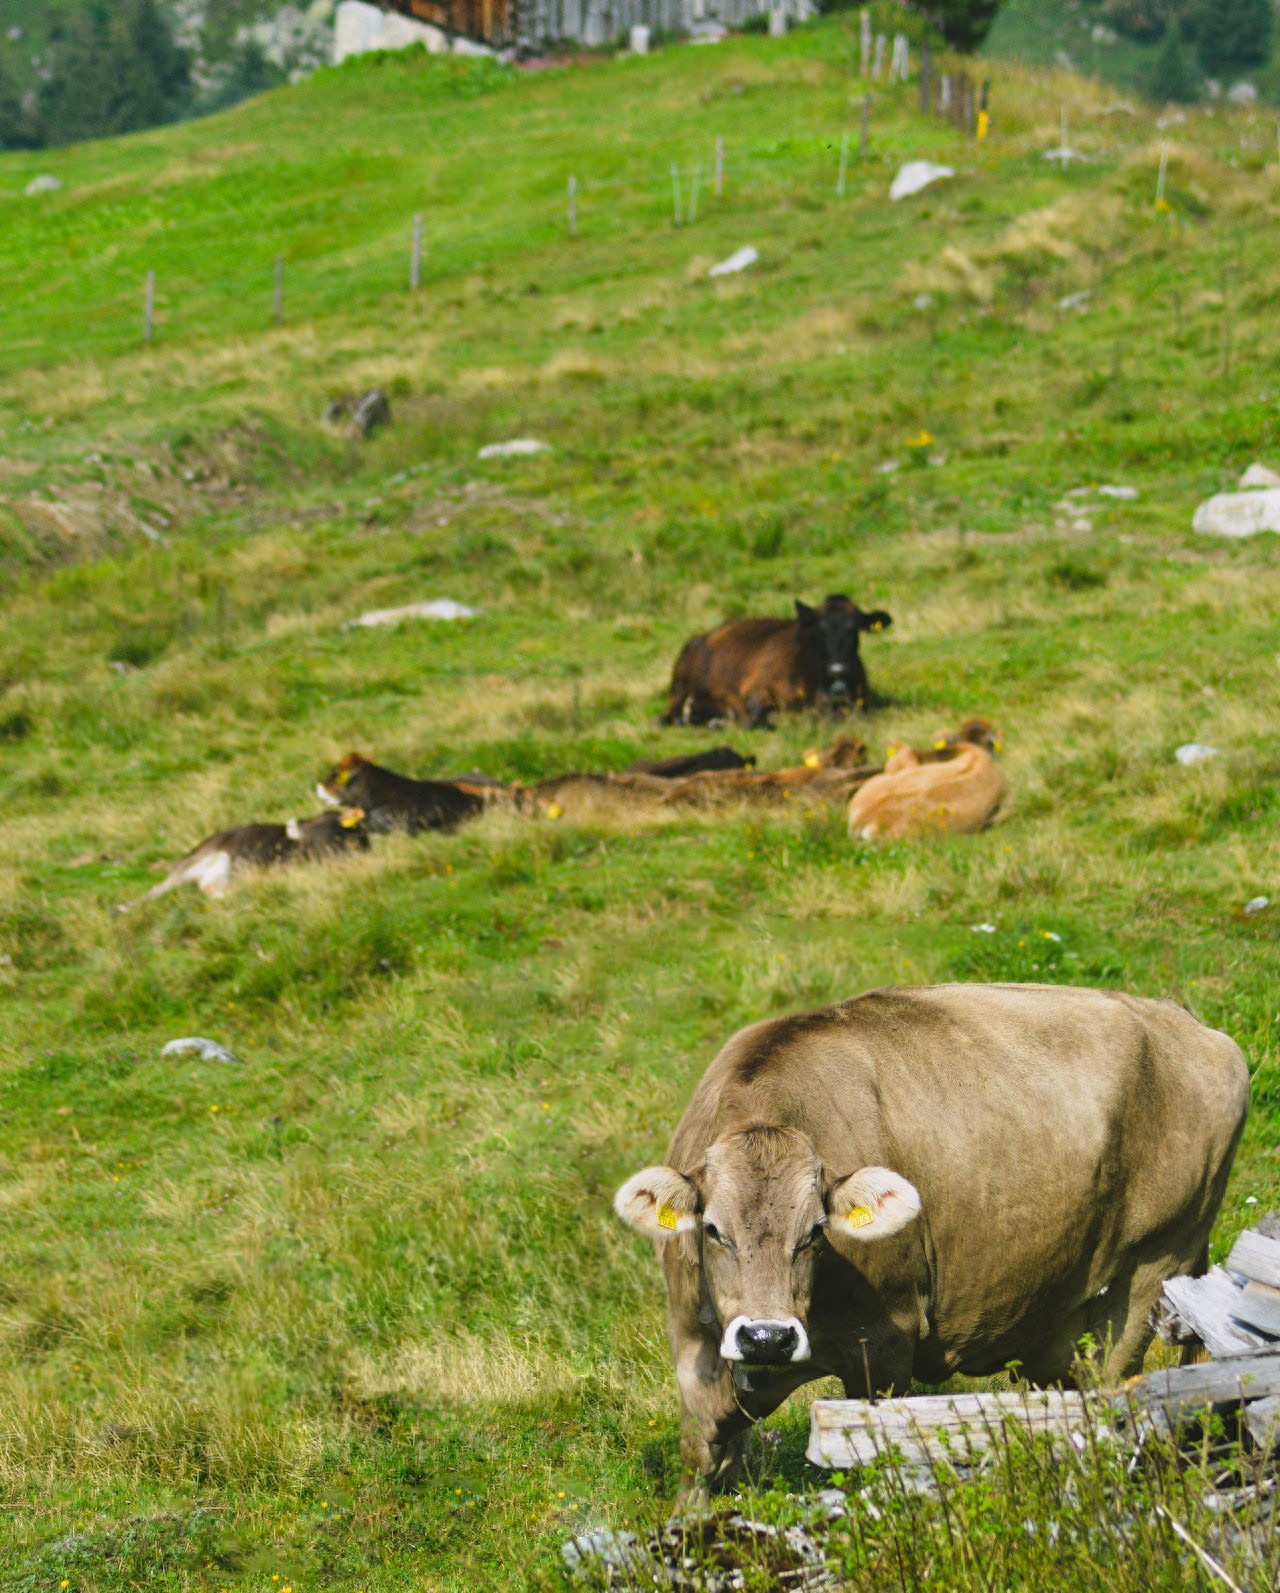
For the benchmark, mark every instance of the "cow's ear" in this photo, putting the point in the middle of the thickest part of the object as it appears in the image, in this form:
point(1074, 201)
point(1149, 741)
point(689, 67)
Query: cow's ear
point(805, 614)
point(658, 1202)
point(872, 1203)
point(877, 620)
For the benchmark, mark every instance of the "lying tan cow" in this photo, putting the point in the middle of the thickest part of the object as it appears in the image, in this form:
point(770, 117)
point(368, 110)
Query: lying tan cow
point(948, 1178)
point(953, 788)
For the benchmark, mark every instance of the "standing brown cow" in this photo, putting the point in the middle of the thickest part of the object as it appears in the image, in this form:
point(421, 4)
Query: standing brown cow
point(750, 669)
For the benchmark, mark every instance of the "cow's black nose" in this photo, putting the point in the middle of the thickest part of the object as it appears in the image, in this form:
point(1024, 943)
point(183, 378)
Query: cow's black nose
point(767, 1343)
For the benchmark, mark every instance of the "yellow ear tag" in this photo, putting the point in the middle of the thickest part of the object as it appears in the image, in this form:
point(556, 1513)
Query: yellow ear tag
point(345, 777)
point(859, 1216)
point(668, 1217)
point(813, 760)
point(351, 817)
point(554, 810)
point(940, 744)
point(877, 625)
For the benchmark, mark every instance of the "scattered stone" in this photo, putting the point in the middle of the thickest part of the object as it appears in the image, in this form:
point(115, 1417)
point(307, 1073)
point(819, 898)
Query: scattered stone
point(206, 1050)
point(42, 185)
point(984, 929)
point(1194, 752)
point(1125, 494)
point(915, 176)
point(739, 260)
point(1258, 476)
point(1239, 514)
point(639, 39)
point(517, 448)
point(1256, 905)
point(1076, 301)
point(1242, 94)
point(887, 467)
point(438, 608)
point(604, 1549)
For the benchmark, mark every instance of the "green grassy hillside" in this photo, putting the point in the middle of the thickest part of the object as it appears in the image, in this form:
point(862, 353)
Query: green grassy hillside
point(356, 1314)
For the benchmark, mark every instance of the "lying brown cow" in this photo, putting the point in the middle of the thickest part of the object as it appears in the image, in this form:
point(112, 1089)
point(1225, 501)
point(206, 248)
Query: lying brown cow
point(214, 863)
point(920, 1182)
point(751, 669)
point(393, 801)
point(953, 789)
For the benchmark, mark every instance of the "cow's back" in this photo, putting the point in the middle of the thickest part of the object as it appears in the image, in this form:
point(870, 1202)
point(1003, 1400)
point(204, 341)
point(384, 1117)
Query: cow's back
point(1049, 1130)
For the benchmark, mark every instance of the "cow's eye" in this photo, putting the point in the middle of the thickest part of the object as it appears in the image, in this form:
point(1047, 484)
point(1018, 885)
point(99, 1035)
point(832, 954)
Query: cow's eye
point(813, 1237)
point(713, 1233)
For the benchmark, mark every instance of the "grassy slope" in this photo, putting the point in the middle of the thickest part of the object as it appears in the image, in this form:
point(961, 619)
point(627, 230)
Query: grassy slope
point(357, 1314)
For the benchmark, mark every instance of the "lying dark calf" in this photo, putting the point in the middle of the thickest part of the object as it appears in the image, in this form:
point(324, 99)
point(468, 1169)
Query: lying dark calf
point(214, 863)
point(394, 802)
point(713, 761)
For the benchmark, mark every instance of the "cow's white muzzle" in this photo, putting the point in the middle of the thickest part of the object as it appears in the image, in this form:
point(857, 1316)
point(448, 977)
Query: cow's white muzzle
point(765, 1341)
point(329, 801)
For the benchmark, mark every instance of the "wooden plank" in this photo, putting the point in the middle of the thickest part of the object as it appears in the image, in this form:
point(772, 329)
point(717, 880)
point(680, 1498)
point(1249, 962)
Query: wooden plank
point(1182, 1392)
point(1259, 1307)
point(1256, 1257)
point(1206, 1307)
point(927, 1429)
point(1262, 1418)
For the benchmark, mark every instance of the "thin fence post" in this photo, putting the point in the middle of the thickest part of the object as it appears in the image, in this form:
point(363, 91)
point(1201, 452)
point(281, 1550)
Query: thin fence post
point(844, 162)
point(719, 165)
point(866, 125)
point(279, 298)
point(573, 207)
point(415, 263)
point(149, 318)
point(675, 191)
point(693, 197)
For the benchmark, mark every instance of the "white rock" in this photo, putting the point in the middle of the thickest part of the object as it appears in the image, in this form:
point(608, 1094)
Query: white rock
point(1242, 94)
point(739, 260)
point(639, 39)
point(984, 929)
point(1194, 752)
point(360, 28)
point(1256, 905)
point(915, 175)
point(1076, 301)
point(517, 448)
point(1126, 494)
point(439, 608)
point(43, 185)
point(1259, 476)
point(1239, 514)
point(206, 1050)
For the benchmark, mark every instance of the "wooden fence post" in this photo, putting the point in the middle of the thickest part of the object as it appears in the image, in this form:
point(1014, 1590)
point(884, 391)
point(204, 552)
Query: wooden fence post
point(149, 317)
point(415, 263)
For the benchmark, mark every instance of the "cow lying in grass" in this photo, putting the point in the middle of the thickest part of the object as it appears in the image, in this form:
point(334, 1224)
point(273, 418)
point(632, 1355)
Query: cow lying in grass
point(921, 1182)
point(213, 864)
point(752, 669)
point(395, 802)
point(953, 788)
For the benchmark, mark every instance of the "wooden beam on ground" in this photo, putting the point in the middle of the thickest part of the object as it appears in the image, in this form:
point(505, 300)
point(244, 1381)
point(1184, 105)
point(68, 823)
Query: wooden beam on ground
point(1254, 1256)
point(932, 1428)
point(1184, 1392)
point(1206, 1309)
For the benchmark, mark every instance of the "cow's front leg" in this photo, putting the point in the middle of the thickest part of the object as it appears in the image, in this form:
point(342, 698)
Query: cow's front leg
point(718, 1408)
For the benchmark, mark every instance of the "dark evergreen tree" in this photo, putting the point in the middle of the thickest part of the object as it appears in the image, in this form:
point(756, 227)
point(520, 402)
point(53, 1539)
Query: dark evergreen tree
point(1174, 79)
point(16, 129)
point(251, 74)
point(963, 23)
point(152, 75)
point(1234, 35)
point(75, 99)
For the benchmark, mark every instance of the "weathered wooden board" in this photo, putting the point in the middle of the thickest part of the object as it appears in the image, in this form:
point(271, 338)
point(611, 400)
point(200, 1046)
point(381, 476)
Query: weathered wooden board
point(1205, 1309)
point(1262, 1418)
point(1257, 1257)
point(1182, 1392)
point(933, 1427)
point(1258, 1306)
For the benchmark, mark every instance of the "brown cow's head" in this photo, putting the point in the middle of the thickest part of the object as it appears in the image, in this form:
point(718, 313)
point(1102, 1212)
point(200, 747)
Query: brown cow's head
point(830, 634)
point(344, 782)
point(757, 1212)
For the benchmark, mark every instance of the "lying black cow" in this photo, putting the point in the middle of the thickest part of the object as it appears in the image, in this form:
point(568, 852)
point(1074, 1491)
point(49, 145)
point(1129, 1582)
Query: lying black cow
point(394, 802)
point(751, 669)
